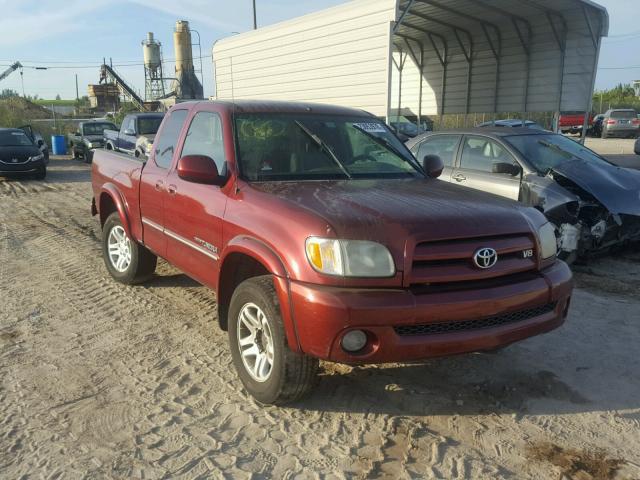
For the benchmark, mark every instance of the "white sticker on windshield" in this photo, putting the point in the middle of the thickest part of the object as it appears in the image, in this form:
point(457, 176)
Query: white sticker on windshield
point(19, 134)
point(371, 127)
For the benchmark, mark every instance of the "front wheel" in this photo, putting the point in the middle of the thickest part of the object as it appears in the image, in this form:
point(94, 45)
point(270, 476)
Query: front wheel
point(127, 261)
point(268, 369)
point(41, 174)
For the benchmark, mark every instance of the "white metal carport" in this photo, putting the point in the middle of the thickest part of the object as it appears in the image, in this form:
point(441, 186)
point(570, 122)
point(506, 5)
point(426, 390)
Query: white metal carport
point(466, 56)
point(423, 57)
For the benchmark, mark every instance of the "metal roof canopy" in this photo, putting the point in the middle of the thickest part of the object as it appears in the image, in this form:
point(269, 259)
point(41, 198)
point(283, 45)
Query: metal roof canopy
point(484, 56)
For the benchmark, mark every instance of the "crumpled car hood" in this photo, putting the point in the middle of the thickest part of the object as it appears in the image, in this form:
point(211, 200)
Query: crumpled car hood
point(617, 188)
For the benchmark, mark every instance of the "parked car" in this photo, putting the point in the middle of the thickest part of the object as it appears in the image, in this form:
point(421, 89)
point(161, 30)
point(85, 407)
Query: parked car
point(20, 155)
point(636, 147)
point(325, 239)
point(135, 127)
point(593, 203)
point(88, 136)
point(620, 123)
point(38, 140)
point(572, 122)
point(512, 123)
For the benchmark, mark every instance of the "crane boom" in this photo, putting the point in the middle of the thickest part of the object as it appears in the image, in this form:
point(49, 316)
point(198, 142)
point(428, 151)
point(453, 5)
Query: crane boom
point(10, 70)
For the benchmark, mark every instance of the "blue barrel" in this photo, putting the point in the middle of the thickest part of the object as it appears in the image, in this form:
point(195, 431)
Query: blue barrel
point(58, 145)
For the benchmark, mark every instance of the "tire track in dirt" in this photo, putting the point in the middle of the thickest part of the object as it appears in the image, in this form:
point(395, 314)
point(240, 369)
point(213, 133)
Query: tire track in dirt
point(132, 382)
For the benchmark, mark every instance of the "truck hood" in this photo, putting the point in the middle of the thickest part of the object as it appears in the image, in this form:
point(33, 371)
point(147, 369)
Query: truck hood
point(617, 188)
point(390, 211)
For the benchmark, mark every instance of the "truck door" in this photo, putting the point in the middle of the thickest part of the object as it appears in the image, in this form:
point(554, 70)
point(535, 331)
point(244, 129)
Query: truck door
point(194, 211)
point(153, 182)
point(484, 165)
point(127, 137)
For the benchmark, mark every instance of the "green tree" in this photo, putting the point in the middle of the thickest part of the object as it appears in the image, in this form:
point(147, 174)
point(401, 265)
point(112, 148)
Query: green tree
point(8, 93)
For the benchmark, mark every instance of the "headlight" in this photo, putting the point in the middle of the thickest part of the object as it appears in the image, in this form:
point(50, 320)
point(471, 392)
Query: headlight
point(548, 241)
point(36, 158)
point(148, 147)
point(349, 258)
point(95, 145)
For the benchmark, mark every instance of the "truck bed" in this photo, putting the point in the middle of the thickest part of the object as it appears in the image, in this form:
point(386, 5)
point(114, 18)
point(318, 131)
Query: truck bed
point(122, 171)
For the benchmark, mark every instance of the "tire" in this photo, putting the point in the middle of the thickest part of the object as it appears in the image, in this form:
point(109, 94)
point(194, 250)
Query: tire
point(76, 154)
point(139, 264)
point(41, 174)
point(109, 146)
point(291, 375)
point(568, 257)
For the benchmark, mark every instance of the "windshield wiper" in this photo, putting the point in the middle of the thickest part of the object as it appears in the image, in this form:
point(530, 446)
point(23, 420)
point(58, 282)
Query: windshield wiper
point(324, 147)
point(383, 142)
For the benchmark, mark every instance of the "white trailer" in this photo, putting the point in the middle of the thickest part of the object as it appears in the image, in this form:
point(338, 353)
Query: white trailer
point(422, 57)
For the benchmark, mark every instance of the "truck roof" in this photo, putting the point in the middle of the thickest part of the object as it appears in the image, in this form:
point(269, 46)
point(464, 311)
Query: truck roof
point(276, 106)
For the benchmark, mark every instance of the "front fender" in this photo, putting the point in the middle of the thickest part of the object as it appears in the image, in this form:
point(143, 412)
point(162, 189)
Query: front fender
point(113, 193)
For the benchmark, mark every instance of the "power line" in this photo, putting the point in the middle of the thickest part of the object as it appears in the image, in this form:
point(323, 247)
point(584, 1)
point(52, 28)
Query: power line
point(619, 68)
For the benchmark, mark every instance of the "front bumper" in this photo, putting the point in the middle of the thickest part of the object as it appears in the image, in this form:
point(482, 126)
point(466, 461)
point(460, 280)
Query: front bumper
point(26, 167)
point(322, 315)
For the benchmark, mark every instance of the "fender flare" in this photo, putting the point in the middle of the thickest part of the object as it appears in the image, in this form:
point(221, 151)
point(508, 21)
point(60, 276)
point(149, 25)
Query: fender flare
point(257, 250)
point(112, 191)
point(265, 255)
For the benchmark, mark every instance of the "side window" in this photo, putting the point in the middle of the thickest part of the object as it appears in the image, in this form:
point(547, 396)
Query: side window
point(205, 138)
point(130, 124)
point(482, 154)
point(168, 138)
point(442, 145)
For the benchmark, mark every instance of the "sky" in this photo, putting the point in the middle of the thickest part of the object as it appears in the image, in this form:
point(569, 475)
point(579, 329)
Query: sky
point(71, 37)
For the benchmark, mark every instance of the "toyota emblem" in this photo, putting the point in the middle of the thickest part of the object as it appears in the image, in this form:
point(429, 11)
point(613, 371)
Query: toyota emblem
point(485, 258)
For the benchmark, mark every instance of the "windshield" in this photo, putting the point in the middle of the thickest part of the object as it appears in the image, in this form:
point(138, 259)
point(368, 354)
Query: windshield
point(545, 152)
point(14, 139)
point(97, 128)
point(283, 147)
point(149, 125)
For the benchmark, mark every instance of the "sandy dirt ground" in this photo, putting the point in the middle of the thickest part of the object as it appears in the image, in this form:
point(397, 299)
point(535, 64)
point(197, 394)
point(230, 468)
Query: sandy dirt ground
point(100, 380)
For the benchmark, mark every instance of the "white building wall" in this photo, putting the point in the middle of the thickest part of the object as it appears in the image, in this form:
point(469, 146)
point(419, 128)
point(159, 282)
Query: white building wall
point(339, 55)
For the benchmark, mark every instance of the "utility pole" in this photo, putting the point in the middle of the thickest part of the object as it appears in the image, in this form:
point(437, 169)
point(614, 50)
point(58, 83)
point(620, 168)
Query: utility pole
point(255, 18)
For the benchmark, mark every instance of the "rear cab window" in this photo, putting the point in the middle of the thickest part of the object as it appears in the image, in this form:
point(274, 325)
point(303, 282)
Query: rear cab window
point(168, 138)
point(624, 114)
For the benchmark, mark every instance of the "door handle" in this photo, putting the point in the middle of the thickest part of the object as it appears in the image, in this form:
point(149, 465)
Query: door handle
point(159, 185)
point(459, 178)
point(172, 189)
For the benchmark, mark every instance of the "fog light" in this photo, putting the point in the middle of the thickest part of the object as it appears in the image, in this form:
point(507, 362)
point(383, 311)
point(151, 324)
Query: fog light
point(354, 341)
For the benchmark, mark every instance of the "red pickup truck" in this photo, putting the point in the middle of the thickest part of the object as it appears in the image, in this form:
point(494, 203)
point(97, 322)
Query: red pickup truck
point(324, 238)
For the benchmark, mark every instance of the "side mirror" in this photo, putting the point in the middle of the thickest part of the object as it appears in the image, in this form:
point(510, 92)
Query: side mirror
point(129, 131)
point(199, 169)
point(433, 165)
point(40, 143)
point(506, 168)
